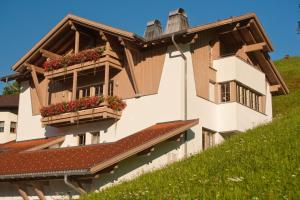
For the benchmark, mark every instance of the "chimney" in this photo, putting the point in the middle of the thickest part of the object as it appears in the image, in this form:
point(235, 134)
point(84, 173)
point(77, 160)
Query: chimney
point(177, 21)
point(153, 30)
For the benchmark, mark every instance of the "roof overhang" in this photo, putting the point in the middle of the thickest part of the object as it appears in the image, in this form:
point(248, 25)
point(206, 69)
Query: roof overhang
point(77, 20)
point(167, 130)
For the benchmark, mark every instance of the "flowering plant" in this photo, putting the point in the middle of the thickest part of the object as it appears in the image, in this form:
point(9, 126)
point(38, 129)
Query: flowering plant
point(114, 103)
point(83, 56)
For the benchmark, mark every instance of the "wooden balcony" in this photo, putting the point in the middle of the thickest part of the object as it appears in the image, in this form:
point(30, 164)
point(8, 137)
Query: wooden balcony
point(108, 57)
point(82, 116)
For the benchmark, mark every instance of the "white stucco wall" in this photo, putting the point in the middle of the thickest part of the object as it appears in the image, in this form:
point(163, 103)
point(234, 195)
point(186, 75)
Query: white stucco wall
point(7, 117)
point(233, 68)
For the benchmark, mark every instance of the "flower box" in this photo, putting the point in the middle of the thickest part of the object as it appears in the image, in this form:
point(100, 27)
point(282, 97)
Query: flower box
point(91, 108)
point(53, 69)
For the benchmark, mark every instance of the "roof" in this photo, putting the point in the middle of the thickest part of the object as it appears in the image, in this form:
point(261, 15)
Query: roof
point(142, 41)
point(9, 101)
point(16, 162)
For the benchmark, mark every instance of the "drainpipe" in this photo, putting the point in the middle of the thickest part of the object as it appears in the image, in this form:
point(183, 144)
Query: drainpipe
point(185, 89)
point(72, 186)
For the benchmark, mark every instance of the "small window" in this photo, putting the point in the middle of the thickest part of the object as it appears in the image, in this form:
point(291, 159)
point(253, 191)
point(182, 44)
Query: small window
point(81, 140)
point(225, 92)
point(13, 127)
point(208, 139)
point(95, 137)
point(1, 126)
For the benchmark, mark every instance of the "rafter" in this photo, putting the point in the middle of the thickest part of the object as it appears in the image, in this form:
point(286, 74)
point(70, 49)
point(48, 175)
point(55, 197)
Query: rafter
point(49, 54)
point(255, 47)
point(275, 88)
point(37, 69)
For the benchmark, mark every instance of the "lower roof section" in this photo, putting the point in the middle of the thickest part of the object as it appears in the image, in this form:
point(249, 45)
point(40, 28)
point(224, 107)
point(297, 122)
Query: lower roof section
point(19, 162)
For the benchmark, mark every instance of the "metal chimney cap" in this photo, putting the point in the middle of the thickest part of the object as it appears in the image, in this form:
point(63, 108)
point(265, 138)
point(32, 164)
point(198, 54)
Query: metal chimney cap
point(179, 11)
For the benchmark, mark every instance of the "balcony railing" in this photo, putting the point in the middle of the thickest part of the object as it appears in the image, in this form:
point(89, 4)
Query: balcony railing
point(107, 57)
point(82, 116)
point(82, 111)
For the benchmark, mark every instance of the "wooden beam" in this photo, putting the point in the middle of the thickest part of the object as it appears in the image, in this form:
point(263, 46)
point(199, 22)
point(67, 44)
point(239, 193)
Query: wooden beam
point(194, 39)
point(103, 36)
point(254, 47)
point(77, 36)
point(36, 85)
point(147, 152)
point(49, 54)
point(22, 191)
point(37, 69)
point(130, 66)
point(74, 87)
point(274, 88)
point(38, 190)
point(61, 40)
point(106, 80)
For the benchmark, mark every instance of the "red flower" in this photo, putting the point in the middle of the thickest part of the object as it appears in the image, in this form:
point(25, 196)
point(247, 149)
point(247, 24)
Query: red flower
point(72, 106)
point(83, 56)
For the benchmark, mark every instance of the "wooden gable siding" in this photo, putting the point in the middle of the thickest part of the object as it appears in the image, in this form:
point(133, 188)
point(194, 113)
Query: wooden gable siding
point(202, 55)
point(148, 69)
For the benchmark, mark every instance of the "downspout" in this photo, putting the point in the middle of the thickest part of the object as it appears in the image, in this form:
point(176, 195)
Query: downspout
point(72, 186)
point(185, 89)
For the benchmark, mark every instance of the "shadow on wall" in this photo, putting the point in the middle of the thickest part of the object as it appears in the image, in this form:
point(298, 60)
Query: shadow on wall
point(80, 128)
point(125, 171)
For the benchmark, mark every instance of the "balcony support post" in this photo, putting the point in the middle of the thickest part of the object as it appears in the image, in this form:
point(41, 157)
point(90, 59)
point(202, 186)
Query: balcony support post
point(77, 36)
point(74, 88)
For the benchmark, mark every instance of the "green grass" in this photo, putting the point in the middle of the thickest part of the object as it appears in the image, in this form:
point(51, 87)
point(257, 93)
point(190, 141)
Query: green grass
point(263, 163)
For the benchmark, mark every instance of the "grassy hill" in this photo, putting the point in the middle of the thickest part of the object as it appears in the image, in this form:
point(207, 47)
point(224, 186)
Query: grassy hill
point(263, 163)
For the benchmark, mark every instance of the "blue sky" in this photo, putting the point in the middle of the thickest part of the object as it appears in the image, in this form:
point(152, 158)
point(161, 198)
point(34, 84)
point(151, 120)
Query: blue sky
point(23, 23)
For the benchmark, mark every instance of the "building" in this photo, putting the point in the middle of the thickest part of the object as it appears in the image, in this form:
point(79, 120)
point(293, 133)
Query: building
point(182, 90)
point(8, 117)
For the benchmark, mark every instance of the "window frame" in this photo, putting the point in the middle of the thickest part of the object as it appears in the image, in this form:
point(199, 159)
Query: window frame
point(225, 92)
point(81, 139)
point(2, 129)
point(15, 128)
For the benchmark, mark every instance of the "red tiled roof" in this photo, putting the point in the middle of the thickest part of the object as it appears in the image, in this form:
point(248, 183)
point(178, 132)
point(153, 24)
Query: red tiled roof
point(16, 162)
point(14, 147)
point(9, 101)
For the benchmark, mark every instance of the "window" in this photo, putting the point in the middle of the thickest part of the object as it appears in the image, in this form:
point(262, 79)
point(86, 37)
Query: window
point(13, 127)
point(95, 137)
point(225, 92)
point(211, 91)
point(248, 97)
point(81, 140)
point(1, 126)
point(208, 138)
